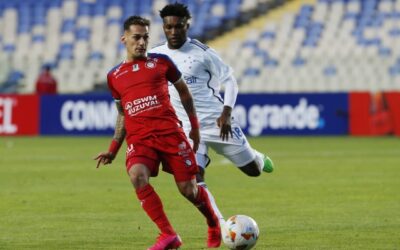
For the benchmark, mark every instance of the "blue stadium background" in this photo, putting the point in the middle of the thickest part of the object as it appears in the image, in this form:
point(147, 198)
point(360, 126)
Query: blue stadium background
point(275, 47)
point(286, 46)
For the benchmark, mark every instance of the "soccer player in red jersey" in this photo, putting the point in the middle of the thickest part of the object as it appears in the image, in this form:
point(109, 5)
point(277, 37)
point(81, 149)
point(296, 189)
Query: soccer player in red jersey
point(153, 132)
point(46, 84)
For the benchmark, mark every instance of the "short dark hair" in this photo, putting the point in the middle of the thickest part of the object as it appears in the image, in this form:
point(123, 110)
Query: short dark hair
point(135, 20)
point(175, 9)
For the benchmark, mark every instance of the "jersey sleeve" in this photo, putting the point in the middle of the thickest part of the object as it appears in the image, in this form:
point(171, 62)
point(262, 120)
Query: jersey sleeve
point(217, 67)
point(114, 93)
point(224, 74)
point(173, 73)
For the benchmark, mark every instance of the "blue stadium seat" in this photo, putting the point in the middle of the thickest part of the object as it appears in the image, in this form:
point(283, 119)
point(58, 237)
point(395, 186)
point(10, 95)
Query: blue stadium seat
point(82, 33)
point(8, 48)
point(66, 51)
point(85, 9)
point(384, 51)
point(99, 9)
point(268, 35)
point(330, 71)
point(68, 25)
point(11, 83)
point(96, 55)
point(251, 72)
point(298, 62)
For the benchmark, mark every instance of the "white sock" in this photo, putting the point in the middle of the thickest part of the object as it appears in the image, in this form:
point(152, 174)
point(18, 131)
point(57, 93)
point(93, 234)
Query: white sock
point(213, 204)
point(259, 160)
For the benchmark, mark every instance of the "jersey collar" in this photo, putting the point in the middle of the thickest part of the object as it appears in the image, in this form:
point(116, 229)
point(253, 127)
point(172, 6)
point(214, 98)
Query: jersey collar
point(137, 60)
point(188, 39)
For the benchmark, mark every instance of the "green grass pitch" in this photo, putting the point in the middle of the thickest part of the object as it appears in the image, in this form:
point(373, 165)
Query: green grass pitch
point(326, 193)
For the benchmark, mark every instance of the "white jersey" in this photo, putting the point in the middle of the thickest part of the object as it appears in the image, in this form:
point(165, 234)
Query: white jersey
point(203, 71)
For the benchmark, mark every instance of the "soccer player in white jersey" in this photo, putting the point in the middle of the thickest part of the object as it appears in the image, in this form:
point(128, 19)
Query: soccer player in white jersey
point(204, 72)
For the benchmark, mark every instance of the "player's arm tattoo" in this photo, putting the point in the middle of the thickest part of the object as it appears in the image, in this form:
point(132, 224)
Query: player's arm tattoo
point(120, 132)
point(186, 97)
point(188, 105)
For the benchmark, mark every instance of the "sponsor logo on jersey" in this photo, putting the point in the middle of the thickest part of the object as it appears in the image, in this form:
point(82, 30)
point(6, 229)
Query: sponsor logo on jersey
point(190, 79)
point(142, 104)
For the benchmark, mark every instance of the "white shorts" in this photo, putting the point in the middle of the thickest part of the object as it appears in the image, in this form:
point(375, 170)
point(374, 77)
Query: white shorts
point(237, 149)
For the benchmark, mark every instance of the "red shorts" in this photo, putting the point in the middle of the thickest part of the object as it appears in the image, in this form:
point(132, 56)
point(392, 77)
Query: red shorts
point(172, 150)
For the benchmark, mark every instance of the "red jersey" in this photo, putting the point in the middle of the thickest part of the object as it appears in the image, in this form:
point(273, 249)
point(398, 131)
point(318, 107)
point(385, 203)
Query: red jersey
point(142, 88)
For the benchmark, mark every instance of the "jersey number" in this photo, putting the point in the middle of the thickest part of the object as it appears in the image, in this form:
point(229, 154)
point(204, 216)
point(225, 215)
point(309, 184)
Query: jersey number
point(237, 133)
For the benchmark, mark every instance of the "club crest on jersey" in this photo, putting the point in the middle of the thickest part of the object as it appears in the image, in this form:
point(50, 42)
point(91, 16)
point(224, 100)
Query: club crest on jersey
point(150, 64)
point(182, 146)
point(188, 162)
point(135, 67)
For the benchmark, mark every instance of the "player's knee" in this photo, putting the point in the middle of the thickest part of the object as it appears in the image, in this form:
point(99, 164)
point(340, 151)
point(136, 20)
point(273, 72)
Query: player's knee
point(138, 181)
point(138, 176)
point(188, 190)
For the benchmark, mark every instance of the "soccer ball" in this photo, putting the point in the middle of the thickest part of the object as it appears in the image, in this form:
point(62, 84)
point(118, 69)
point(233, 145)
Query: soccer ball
point(240, 232)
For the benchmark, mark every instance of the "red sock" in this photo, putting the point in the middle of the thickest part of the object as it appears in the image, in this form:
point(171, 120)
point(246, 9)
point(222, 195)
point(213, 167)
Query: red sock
point(152, 204)
point(203, 204)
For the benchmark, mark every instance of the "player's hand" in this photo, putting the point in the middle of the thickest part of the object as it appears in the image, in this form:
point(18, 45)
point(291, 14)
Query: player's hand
point(195, 136)
point(224, 123)
point(104, 158)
